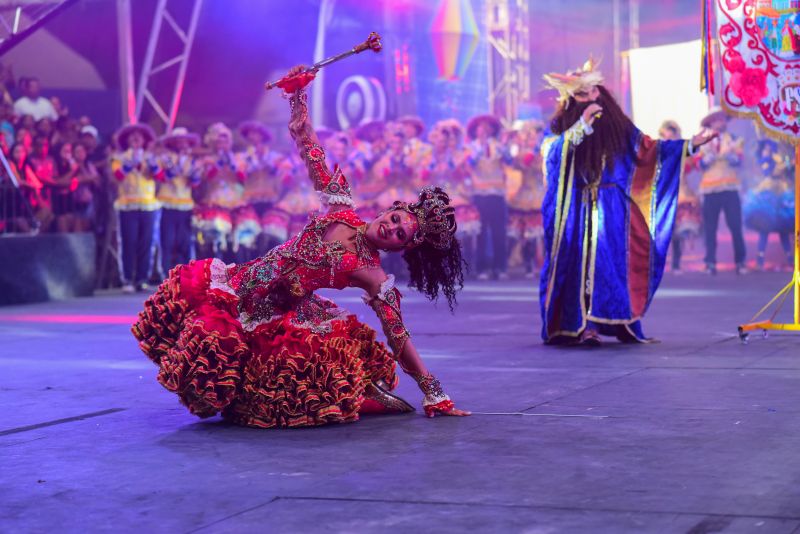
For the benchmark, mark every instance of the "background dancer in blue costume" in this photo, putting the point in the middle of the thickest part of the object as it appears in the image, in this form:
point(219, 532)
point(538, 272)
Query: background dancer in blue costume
point(608, 214)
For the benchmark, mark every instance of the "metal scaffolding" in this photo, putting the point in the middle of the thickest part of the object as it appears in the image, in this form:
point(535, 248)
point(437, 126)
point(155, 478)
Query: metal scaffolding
point(20, 18)
point(165, 106)
point(508, 29)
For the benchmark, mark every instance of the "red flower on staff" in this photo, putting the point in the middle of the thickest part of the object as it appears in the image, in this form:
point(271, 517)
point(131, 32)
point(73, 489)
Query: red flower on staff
point(750, 85)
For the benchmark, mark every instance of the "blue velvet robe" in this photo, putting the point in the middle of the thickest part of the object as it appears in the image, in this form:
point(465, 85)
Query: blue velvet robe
point(606, 244)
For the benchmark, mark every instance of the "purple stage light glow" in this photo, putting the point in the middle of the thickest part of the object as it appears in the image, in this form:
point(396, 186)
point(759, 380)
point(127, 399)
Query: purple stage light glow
point(73, 319)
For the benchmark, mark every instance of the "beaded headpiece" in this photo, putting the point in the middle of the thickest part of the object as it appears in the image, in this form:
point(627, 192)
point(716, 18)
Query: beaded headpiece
point(574, 81)
point(435, 216)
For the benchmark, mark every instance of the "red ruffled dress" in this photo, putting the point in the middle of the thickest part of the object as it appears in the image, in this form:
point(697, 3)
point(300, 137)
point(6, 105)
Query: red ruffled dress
point(254, 343)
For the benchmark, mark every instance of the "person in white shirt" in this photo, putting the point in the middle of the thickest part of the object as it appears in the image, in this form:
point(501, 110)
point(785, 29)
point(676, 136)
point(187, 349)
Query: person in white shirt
point(32, 103)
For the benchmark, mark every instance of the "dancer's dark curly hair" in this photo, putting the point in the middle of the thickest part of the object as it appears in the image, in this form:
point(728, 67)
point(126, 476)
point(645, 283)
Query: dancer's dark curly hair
point(432, 271)
point(435, 264)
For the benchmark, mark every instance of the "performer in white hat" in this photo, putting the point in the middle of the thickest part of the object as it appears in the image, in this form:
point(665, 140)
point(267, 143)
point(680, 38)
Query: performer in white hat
point(181, 176)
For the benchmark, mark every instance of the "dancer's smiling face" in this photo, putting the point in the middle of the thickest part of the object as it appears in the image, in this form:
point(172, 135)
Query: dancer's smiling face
point(393, 230)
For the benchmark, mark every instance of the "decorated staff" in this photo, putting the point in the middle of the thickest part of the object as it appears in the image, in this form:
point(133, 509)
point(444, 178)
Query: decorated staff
point(291, 83)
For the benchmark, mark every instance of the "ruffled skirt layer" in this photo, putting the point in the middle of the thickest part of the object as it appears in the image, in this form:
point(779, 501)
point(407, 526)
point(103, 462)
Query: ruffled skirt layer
point(284, 373)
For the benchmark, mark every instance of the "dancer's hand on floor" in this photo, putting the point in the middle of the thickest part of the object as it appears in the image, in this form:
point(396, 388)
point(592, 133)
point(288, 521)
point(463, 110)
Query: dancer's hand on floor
point(433, 411)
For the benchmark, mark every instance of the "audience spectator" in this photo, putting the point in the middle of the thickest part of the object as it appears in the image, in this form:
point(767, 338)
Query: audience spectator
point(26, 122)
point(30, 192)
point(44, 167)
point(7, 123)
point(66, 182)
point(45, 127)
point(90, 138)
point(88, 180)
point(32, 103)
point(24, 137)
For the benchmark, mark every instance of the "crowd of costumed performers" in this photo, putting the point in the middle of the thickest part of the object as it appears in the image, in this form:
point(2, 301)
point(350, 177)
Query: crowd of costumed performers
point(234, 196)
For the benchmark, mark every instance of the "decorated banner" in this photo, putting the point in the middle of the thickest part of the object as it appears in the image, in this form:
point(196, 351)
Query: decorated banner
point(760, 51)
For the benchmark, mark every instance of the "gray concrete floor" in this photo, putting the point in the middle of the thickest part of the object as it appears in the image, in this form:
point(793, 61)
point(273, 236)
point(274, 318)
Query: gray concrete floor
point(699, 433)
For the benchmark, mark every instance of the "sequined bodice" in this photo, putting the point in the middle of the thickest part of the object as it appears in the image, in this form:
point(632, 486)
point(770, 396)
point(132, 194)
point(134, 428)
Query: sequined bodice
point(285, 278)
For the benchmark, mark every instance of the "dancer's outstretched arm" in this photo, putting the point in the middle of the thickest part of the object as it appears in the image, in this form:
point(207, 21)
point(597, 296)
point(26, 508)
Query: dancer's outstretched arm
point(384, 299)
point(333, 186)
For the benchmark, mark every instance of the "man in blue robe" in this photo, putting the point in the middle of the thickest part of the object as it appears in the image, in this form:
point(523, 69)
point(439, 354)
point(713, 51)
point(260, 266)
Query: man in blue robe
point(608, 214)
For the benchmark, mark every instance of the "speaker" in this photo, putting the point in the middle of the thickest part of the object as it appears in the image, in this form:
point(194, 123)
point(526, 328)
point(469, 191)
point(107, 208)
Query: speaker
point(46, 267)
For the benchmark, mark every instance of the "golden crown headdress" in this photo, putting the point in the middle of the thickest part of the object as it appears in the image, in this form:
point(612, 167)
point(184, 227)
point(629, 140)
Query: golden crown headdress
point(436, 218)
point(575, 81)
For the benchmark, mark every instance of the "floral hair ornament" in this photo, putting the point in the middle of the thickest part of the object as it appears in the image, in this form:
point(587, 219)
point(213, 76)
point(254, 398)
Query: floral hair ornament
point(435, 216)
point(575, 81)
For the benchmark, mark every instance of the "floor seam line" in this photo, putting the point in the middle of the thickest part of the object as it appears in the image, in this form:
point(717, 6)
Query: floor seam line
point(540, 506)
point(61, 421)
point(585, 389)
point(226, 518)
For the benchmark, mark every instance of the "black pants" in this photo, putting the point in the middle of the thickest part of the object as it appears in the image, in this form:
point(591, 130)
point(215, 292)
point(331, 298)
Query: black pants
point(176, 238)
point(729, 203)
point(136, 229)
point(677, 252)
point(494, 219)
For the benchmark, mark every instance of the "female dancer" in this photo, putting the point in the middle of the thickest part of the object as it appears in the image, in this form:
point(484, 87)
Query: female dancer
point(253, 342)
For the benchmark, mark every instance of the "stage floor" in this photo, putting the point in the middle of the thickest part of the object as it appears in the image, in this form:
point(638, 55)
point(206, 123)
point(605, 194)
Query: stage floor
point(696, 434)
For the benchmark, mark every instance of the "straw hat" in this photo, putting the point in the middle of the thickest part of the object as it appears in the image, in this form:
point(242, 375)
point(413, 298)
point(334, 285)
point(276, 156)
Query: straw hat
point(125, 132)
point(714, 114)
point(371, 131)
point(177, 134)
point(414, 121)
point(248, 126)
point(490, 120)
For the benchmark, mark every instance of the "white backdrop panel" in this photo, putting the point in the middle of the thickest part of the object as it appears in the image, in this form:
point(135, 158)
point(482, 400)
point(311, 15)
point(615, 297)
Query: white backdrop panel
point(665, 84)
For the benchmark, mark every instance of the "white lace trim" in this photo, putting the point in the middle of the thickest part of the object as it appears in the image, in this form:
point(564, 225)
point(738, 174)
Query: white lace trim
point(578, 131)
point(219, 276)
point(330, 200)
point(430, 400)
point(386, 286)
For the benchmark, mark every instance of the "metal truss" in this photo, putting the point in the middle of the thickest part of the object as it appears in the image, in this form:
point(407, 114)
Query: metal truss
point(166, 106)
point(508, 29)
point(20, 18)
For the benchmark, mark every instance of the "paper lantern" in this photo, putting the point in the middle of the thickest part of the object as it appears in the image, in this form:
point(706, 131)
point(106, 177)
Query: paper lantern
point(455, 36)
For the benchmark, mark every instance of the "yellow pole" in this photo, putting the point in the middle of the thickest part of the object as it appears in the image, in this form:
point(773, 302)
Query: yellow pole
point(794, 285)
point(796, 233)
